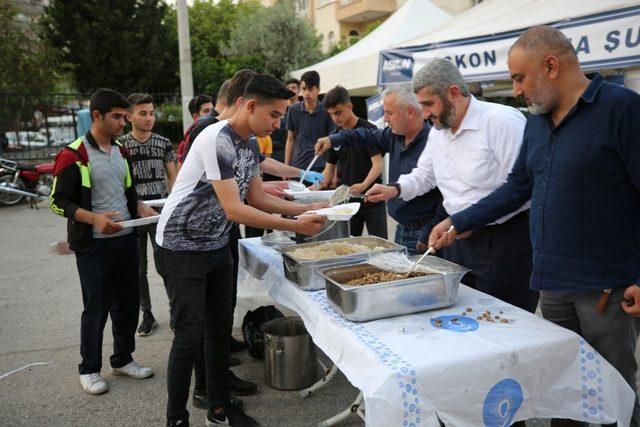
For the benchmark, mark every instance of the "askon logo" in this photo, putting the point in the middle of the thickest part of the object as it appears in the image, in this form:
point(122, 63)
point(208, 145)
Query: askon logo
point(397, 64)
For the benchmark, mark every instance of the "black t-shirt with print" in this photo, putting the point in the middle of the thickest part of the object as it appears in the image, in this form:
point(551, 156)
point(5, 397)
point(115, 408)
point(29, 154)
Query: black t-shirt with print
point(353, 164)
point(148, 164)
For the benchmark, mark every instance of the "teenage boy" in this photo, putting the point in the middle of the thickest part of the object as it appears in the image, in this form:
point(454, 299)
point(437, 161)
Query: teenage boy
point(93, 189)
point(357, 167)
point(193, 233)
point(200, 106)
point(154, 172)
point(306, 122)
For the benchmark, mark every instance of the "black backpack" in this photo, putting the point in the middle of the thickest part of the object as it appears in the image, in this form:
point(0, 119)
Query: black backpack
point(252, 328)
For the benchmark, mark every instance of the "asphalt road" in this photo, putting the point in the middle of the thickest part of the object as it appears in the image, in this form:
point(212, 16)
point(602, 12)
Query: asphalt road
point(39, 322)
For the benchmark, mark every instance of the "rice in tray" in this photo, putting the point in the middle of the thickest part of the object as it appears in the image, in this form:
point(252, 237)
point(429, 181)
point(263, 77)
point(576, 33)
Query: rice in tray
point(382, 277)
point(331, 250)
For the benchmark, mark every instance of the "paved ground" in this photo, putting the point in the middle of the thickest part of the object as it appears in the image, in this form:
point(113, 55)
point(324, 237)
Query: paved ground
point(39, 322)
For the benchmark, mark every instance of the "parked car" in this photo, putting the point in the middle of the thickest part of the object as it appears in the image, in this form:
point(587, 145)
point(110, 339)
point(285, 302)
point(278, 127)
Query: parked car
point(26, 139)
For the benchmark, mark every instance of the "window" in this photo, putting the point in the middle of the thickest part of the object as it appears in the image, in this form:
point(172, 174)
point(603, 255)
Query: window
point(301, 5)
point(354, 36)
point(331, 39)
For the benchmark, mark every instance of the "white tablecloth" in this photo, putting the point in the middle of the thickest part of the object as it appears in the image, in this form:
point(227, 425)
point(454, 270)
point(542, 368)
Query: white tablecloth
point(490, 374)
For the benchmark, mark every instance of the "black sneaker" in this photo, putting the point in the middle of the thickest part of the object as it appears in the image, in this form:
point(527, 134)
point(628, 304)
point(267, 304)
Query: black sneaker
point(234, 361)
point(240, 387)
point(200, 400)
point(237, 345)
point(180, 423)
point(230, 416)
point(147, 325)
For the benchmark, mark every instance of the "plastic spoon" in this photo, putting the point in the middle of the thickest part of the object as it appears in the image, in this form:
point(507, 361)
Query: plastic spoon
point(430, 250)
point(309, 167)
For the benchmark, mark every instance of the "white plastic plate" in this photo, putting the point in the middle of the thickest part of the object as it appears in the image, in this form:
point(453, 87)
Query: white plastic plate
point(156, 203)
point(140, 221)
point(325, 194)
point(337, 213)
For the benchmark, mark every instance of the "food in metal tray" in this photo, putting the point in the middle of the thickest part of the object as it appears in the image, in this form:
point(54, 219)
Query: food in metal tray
point(382, 277)
point(331, 250)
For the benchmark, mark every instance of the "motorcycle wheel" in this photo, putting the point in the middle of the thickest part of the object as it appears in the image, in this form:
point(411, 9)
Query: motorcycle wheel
point(9, 199)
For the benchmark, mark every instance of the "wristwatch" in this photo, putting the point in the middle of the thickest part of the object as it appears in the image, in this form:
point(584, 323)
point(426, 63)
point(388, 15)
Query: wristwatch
point(397, 187)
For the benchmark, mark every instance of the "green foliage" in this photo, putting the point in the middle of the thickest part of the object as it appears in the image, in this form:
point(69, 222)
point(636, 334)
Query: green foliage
point(25, 67)
point(210, 26)
point(273, 40)
point(24, 61)
point(125, 45)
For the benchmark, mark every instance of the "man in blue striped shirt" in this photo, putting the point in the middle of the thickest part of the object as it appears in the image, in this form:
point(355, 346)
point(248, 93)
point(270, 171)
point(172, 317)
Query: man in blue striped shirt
point(580, 166)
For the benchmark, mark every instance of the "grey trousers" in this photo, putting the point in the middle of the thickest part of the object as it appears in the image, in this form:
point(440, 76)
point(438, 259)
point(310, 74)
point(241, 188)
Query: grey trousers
point(143, 283)
point(612, 333)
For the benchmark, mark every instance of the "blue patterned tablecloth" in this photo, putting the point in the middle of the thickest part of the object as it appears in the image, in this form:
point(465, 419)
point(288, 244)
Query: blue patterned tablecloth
point(413, 369)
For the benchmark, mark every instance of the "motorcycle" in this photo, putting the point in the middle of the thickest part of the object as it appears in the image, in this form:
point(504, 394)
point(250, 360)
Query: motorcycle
point(19, 180)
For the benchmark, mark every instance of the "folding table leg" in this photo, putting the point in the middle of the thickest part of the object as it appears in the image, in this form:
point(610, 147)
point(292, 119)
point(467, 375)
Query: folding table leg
point(354, 408)
point(328, 375)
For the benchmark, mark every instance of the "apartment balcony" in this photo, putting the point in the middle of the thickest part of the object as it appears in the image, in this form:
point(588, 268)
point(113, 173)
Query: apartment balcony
point(358, 11)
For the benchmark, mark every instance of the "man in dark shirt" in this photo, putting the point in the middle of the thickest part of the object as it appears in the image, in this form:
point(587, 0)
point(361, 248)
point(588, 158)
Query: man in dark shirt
point(580, 165)
point(306, 122)
point(404, 139)
point(200, 106)
point(154, 172)
point(357, 167)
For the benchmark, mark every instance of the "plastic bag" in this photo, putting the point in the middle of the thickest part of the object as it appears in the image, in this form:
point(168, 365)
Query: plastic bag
point(252, 328)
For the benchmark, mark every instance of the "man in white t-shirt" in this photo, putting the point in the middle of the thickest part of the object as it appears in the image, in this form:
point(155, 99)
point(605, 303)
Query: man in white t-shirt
point(221, 170)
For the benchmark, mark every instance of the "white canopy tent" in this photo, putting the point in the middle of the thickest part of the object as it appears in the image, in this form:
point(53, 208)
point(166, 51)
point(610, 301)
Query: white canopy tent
point(356, 67)
point(604, 32)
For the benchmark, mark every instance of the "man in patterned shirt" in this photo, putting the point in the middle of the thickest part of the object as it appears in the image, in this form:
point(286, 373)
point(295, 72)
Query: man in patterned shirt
point(221, 170)
point(154, 172)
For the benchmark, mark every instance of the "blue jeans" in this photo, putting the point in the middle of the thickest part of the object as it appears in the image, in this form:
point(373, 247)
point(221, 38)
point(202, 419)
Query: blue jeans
point(408, 236)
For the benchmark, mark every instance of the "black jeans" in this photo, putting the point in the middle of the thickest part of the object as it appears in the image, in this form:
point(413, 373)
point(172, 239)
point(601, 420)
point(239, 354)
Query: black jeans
point(109, 281)
point(200, 290)
point(374, 215)
point(499, 257)
point(142, 233)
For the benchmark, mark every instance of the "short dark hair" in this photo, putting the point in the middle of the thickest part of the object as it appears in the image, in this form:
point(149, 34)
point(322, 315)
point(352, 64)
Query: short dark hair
point(337, 95)
point(139, 98)
point(237, 85)
point(265, 88)
point(292, 80)
point(104, 100)
point(311, 78)
point(197, 102)
point(223, 90)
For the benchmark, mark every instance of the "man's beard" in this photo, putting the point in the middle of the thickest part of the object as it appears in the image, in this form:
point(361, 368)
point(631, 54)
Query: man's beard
point(447, 116)
point(544, 100)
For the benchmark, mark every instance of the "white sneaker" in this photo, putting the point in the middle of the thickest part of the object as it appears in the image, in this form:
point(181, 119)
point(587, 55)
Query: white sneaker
point(93, 383)
point(134, 370)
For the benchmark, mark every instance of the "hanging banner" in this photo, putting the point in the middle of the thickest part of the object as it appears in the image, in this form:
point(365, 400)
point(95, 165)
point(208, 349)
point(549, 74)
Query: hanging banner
point(375, 111)
point(605, 40)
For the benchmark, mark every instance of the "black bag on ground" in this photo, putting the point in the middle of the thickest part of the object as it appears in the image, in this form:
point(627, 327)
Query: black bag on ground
point(252, 328)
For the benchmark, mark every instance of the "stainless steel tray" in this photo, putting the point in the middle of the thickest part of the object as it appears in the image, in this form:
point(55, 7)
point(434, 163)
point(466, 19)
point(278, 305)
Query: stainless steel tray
point(304, 272)
point(398, 297)
point(277, 238)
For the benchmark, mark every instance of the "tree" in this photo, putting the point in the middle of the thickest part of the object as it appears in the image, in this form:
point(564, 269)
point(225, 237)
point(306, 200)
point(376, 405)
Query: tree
point(124, 45)
point(25, 62)
point(273, 39)
point(25, 69)
point(210, 26)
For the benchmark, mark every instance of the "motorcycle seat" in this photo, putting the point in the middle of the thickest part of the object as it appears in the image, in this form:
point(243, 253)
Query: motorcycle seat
point(45, 168)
